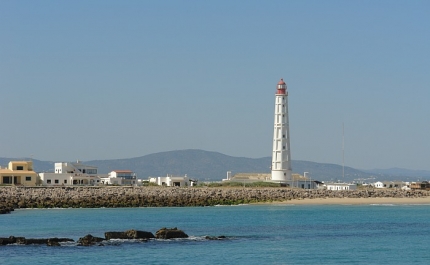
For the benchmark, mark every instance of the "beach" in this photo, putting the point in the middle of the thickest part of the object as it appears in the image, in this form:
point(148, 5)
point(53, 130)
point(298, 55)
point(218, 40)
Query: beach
point(358, 201)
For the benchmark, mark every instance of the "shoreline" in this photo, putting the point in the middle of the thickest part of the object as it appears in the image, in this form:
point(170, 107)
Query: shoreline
point(356, 201)
point(118, 197)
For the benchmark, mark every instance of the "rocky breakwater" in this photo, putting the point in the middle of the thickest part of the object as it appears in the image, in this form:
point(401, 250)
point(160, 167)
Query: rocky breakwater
point(112, 197)
point(90, 240)
point(54, 241)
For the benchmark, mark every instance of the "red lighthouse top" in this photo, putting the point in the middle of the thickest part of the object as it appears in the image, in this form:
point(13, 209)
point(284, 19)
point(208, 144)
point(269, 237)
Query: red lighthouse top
point(281, 87)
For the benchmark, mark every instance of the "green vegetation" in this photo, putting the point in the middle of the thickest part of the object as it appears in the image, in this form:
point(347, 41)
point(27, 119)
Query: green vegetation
point(147, 183)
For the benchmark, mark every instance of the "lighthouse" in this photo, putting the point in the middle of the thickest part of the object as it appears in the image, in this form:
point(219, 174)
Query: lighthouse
point(281, 154)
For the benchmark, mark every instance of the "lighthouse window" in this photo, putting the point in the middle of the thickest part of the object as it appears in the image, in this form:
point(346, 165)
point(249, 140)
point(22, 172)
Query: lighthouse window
point(283, 147)
point(283, 136)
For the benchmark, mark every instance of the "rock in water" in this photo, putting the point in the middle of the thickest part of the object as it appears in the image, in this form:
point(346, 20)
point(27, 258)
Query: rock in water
point(215, 237)
point(167, 233)
point(129, 234)
point(8, 240)
point(115, 235)
point(89, 240)
point(136, 234)
point(34, 241)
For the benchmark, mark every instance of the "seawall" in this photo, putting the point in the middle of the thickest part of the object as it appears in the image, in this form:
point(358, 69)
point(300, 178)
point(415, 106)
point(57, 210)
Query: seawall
point(95, 197)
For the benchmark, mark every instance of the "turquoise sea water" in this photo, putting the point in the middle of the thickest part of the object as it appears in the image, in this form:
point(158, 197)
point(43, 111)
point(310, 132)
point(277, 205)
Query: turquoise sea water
point(257, 234)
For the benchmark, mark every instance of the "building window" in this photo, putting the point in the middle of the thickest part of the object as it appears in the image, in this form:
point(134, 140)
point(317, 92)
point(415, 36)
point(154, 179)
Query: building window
point(65, 181)
point(91, 171)
point(7, 180)
point(56, 181)
point(48, 181)
point(19, 168)
point(27, 178)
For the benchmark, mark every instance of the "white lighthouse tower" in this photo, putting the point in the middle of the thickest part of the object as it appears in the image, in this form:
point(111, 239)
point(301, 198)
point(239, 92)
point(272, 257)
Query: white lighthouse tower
point(281, 154)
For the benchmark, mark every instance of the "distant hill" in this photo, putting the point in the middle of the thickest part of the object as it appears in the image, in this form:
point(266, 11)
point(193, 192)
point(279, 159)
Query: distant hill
point(212, 166)
point(400, 173)
point(199, 164)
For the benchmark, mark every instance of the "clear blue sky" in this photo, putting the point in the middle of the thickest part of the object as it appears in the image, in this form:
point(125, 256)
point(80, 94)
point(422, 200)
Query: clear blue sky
point(118, 79)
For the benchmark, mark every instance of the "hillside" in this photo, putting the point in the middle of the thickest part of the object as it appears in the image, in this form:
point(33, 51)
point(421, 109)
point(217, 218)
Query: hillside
point(205, 165)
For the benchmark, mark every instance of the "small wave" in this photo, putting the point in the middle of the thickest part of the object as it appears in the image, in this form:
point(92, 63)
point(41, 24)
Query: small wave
point(190, 238)
point(230, 205)
point(68, 244)
point(196, 238)
point(117, 240)
point(279, 204)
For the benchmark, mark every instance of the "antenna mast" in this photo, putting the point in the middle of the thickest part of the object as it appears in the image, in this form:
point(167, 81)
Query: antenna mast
point(343, 152)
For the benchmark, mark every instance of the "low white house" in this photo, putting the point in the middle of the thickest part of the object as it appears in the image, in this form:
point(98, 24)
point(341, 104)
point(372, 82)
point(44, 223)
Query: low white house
point(304, 184)
point(341, 186)
point(378, 185)
point(69, 174)
point(170, 180)
point(120, 177)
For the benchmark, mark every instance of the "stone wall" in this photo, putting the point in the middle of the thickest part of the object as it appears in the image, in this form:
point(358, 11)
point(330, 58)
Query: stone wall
point(94, 197)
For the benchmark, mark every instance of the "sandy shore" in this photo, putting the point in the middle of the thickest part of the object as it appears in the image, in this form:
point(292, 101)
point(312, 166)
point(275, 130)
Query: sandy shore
point(357, 201)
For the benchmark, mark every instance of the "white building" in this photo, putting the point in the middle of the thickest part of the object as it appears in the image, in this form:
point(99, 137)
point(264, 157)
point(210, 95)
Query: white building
point(378, 185)
point(281, 154)
point(69, 174)
point(341, 186)
point(170, 180)
point(304, 184)
point(228, 176)
point(120, 177)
